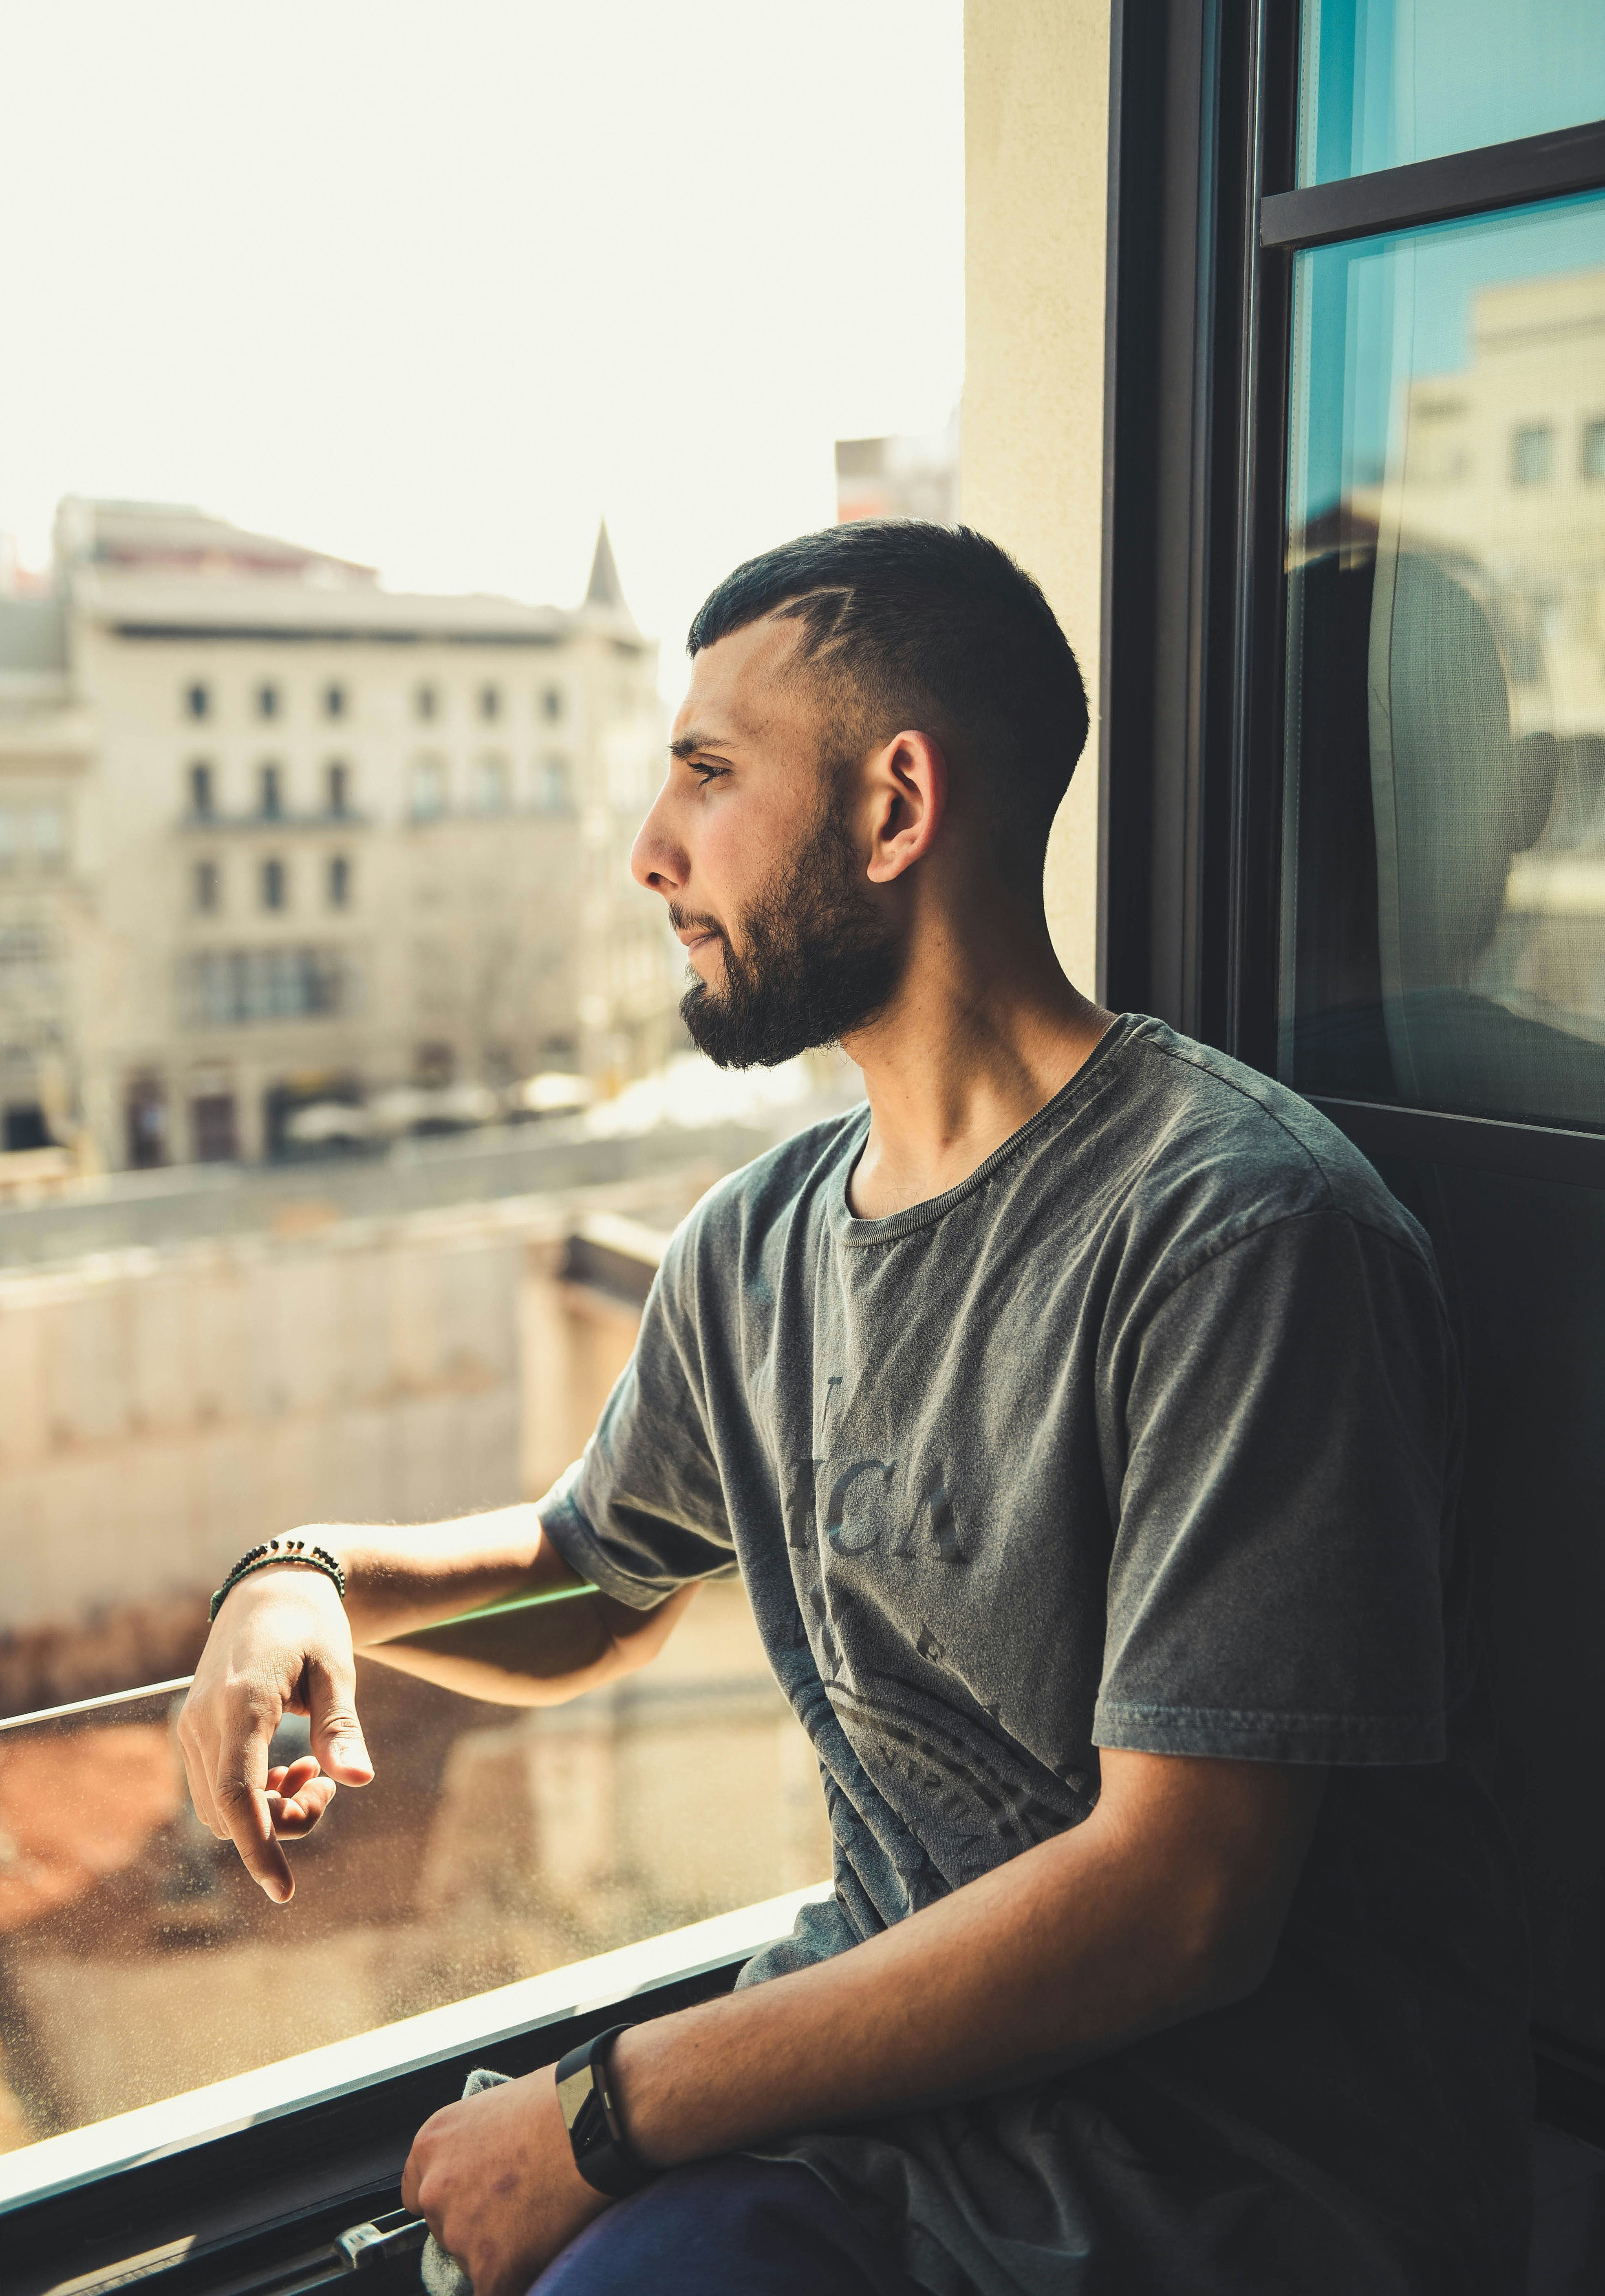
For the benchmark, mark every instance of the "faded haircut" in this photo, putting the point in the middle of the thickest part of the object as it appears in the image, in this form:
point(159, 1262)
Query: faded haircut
point(933, 629)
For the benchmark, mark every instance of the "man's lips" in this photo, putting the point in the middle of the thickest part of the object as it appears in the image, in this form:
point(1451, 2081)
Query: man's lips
point(695, 936)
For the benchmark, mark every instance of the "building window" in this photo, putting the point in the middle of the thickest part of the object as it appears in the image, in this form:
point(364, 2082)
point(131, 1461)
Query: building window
point(144, 1119)
point(340, 881)
point(208, 887)
point(202, 790)
point(552, 785)
point(427, 791)
point(225, 987)
point(267, 701)
point(433, 1065)
point(337, 786)
point(1593, 450)
point(270, 792)
point(275, 884)
point(490, 701)
point(197, 700)
point(426, 702)
point(214, 1134)
point(490, 785)
point(551, 703)
point(334, 701)
point(1533, 456)
point(47, 835)
point(25, 1127)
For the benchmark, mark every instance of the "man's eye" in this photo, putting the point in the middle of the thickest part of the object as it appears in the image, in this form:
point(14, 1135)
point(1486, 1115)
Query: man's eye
point(706, 774)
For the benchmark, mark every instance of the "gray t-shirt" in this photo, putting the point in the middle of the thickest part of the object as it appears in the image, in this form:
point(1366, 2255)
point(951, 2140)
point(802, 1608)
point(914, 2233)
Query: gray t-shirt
point(1143, 1436)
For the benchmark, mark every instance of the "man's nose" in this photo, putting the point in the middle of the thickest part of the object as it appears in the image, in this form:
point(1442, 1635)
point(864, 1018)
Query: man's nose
point(656, 859)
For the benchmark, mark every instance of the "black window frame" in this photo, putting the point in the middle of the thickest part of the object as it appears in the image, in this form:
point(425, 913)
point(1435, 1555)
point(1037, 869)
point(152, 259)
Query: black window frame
point(1205, 221)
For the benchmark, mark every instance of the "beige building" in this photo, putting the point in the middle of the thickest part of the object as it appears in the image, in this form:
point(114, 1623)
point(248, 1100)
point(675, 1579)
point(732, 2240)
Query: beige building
point(1504, 461)
point(272, 835)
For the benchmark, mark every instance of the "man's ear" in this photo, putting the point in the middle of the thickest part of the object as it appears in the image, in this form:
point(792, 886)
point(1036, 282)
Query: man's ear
point(908, 786)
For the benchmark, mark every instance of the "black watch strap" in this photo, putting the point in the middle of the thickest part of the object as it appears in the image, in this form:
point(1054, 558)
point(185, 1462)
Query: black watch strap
point(602, 2153)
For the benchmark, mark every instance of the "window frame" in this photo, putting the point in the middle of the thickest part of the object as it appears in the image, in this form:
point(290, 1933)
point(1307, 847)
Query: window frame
point(1204, 223)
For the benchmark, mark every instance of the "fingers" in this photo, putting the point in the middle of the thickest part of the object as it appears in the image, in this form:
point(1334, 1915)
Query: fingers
point(239, 1781)
point(337, 1740)
point(297, 1797)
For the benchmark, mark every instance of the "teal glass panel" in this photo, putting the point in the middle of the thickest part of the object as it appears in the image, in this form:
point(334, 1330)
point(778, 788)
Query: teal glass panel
point(1385, 82)
point(1444, 873)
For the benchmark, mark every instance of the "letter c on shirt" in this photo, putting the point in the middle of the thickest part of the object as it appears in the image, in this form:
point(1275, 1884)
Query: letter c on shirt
point(834, 1528)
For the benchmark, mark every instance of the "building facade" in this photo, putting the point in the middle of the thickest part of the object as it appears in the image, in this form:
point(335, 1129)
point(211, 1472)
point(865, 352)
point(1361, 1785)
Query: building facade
point(271, 835)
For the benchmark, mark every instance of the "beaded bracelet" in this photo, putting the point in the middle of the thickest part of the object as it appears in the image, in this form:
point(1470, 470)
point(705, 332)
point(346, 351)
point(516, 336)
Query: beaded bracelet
point(279, 1550)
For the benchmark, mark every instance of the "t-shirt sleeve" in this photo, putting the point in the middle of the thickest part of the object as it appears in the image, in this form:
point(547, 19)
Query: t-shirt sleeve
point(1275, 1594)
point(642, 1511)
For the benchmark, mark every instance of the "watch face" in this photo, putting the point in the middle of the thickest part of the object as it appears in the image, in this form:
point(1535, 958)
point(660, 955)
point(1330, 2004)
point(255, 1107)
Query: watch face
point(583, 2115)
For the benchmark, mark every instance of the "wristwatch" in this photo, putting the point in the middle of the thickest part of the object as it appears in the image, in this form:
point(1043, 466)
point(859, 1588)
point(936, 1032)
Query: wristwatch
point(602, 2153)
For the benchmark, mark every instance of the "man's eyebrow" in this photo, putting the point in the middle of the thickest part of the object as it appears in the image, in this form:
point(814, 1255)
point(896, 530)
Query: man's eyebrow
point(689, 744)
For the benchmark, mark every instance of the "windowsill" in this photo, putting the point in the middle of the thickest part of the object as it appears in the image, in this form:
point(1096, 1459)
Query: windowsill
point(129, 2140)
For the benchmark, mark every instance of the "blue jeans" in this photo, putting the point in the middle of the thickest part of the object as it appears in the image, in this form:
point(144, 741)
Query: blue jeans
point(727, 2228)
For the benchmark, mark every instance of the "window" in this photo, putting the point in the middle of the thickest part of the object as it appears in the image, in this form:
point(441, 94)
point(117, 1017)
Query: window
point(490, 701)
point(275, 884)
point(427, 788)
point(197, 702)
point(552, 703)
point(270, 792)
point(337, 787)
point(207, 888)
point(425, 702)
point(552, 784)
point(33, 835)
point(267, 701)
point(1445, 929)
point(1533, 456)
point(1593, 450)
point(202, 790)
point(214, 1134)
point(340, 880)
point(490, 785)
point(225, 987)
point(334, 701)
point(1387, 82)
point(25, 1127)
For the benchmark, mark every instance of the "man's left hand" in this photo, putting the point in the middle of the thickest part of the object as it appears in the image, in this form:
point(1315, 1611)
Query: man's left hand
point(494, 2178)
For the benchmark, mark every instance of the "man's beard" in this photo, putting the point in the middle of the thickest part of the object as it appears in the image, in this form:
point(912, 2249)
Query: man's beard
point(815, 960)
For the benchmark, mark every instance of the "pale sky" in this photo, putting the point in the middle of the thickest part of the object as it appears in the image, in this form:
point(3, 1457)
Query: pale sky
point(436, 283)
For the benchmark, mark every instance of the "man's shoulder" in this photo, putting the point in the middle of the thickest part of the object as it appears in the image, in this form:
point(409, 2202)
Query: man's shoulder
point(1227, 1150)
point(729, 1226)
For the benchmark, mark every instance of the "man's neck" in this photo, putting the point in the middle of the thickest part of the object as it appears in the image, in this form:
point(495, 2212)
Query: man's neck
point(983, 1032)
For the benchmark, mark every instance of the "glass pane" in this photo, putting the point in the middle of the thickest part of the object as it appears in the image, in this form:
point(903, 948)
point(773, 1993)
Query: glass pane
point(1443, 918)
point(138, 1960)
point(1388, 81)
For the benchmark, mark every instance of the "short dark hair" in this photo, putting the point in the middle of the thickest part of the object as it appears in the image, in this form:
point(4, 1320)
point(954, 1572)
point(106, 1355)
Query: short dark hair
point(930, 628)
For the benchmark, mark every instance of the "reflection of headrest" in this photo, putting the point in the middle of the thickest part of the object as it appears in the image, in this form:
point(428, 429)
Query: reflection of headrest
point(1455, 796)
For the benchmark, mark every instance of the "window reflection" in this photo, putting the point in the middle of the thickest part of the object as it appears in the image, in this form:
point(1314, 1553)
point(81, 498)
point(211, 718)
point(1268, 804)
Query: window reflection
point(1444, 924)
point(1387, 82)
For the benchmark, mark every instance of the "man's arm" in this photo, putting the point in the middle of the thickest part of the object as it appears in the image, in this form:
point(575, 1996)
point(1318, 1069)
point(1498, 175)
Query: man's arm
point(1167, 1901)
point(283, 1643)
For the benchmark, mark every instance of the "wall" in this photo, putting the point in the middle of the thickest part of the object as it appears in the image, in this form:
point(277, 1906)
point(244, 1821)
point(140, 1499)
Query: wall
point(161, 1411)
point(1036, 78)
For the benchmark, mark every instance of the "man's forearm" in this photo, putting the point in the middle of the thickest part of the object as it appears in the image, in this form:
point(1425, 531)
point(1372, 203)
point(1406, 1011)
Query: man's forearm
point(1088, 1941)
point(405, 1587)
point(399, 1578)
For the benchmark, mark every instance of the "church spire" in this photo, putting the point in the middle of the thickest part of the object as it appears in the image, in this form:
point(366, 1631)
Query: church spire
point(605, 589)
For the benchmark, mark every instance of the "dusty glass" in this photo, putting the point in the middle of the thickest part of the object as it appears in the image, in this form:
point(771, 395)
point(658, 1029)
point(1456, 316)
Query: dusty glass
point(139, 1960)
point(1385, 82)
point(1443, 911)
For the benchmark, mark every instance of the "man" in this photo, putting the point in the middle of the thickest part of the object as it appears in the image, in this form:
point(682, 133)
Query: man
point(1080, 1417)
